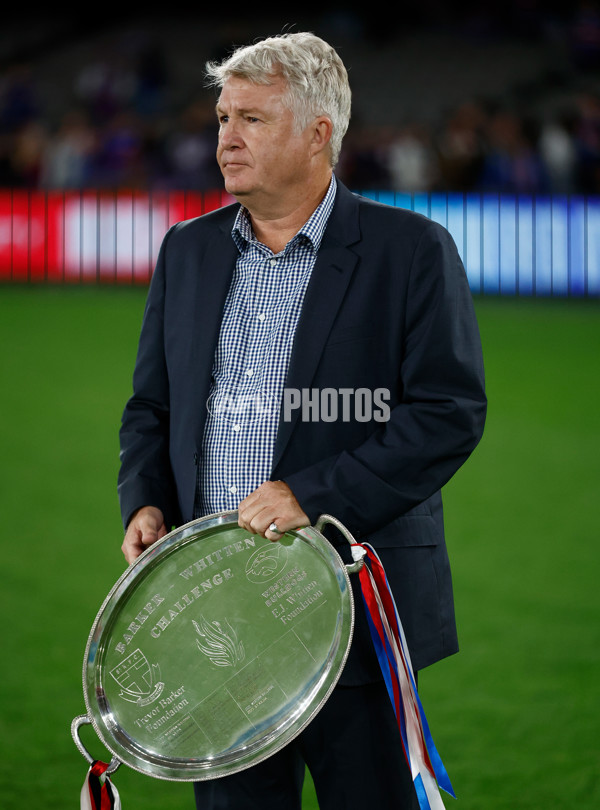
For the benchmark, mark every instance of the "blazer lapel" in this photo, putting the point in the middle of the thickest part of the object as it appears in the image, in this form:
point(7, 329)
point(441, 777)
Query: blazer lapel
point(324, 295)
point(213, 285)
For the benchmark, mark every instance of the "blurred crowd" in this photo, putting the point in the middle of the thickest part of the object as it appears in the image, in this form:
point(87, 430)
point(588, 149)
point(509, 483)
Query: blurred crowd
point(117, 131)
point(482, 147)
point(121, 129)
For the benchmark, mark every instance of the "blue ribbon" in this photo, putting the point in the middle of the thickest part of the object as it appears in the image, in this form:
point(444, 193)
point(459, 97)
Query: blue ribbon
point(387, 660)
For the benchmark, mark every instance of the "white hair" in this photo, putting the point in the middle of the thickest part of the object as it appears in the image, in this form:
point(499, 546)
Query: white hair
point(317, 80)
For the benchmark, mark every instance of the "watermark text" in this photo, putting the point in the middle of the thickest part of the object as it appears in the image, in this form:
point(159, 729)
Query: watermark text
point(336, 404)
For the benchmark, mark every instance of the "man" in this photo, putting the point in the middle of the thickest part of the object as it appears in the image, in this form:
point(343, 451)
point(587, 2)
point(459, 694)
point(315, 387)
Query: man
point(303, 289)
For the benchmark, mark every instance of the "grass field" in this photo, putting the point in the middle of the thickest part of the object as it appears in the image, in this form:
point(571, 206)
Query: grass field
point(515, 715)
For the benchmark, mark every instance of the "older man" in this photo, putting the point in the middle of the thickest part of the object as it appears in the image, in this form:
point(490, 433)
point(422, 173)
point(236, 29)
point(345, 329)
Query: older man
point(305, 287)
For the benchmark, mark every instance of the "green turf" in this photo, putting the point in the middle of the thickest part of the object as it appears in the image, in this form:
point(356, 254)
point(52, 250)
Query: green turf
point(514, 715)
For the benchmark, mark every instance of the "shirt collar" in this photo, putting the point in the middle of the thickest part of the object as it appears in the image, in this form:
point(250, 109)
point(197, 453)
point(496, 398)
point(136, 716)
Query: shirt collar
point(312, 230)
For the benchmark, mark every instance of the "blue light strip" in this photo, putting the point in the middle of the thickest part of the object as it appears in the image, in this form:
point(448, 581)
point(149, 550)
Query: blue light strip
point(517, 244)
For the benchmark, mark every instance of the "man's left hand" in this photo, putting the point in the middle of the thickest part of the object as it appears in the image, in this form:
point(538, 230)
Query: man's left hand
point(273, 504)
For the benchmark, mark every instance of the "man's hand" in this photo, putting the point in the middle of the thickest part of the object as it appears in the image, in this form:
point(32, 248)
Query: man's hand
point(272, 503)
point(145, 527)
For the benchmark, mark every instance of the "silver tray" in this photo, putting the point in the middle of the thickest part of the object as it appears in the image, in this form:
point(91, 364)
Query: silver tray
point(216, 648)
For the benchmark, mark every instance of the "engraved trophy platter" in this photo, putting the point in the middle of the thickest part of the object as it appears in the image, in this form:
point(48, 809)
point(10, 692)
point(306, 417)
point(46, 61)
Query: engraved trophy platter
point(215, 648)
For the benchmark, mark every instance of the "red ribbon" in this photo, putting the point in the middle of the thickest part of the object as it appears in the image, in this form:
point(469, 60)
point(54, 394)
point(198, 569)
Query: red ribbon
point(98, 792)
point(427, 769)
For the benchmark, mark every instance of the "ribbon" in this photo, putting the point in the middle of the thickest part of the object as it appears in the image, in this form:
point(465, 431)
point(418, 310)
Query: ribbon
point(426, 767)
point(98, 792)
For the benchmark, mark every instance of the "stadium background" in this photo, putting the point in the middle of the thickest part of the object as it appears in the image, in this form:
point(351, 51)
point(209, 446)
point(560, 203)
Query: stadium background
point(487, 119)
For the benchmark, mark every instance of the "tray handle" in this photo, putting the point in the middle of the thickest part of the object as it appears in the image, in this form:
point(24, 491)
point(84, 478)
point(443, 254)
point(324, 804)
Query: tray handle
point(83, 720)
point(357, 552)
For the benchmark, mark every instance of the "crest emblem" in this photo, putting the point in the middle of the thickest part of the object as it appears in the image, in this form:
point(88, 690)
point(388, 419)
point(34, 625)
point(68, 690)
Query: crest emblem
point(266, 563)
point(138, 680)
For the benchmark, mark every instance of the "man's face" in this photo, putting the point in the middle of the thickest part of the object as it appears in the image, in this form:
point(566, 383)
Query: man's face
point(260, 156)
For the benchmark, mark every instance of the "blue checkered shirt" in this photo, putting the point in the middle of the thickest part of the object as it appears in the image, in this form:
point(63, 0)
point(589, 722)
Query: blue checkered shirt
point(251, 359)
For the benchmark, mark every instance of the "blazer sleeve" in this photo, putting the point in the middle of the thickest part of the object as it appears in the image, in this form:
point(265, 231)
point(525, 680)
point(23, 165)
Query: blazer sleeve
point(440, 413)
point(145, 477)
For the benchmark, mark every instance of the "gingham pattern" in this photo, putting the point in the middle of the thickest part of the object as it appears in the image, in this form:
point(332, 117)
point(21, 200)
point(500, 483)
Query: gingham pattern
point(251, 360)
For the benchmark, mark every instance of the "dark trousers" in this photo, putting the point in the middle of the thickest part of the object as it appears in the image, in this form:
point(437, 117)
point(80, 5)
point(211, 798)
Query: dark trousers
point(352, 749)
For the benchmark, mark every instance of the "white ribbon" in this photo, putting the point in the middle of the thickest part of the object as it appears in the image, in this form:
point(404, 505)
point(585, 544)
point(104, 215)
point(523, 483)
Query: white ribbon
point(98, 792)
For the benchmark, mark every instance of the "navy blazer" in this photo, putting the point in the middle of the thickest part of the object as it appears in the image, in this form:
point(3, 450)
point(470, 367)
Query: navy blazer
point(388, 306)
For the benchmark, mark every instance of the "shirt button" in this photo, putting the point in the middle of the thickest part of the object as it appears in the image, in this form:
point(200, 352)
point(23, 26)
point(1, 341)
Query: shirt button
point(233, 490)
point(237, 428)
point(262, 316)
point(249, 372)
point(273, 262)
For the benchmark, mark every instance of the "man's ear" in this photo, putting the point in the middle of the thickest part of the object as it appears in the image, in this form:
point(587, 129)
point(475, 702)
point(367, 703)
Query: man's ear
point(322, 129)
